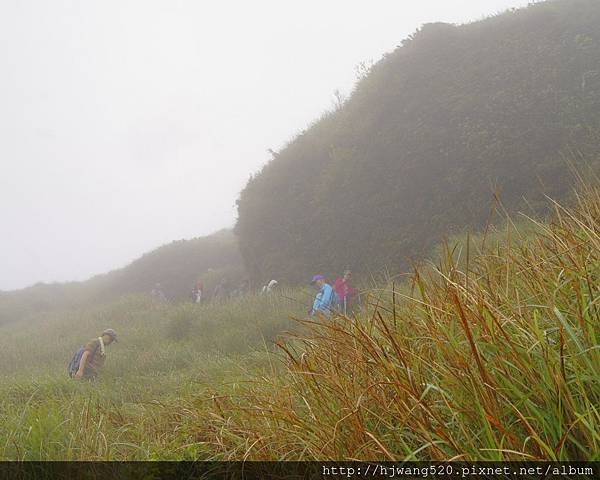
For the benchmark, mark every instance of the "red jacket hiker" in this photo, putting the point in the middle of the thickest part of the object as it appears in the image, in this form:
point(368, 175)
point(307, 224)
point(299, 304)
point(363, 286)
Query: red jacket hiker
point(344, 289)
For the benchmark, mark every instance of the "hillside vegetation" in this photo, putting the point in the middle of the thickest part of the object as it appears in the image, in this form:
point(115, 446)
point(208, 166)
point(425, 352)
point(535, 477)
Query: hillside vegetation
point(439, 126)
point(176, 266)
point(490, 352)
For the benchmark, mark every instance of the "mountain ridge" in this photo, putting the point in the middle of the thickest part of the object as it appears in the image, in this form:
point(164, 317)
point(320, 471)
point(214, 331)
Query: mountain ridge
point(427, 139)
point(177, 266)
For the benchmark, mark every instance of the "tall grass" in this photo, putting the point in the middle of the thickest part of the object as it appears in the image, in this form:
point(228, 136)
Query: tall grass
point(165, 353)
point(487, 356)
point(489, 353)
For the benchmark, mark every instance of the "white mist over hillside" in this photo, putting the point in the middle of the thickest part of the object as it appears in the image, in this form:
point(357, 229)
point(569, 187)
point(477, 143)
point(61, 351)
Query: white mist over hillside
point(127, 124)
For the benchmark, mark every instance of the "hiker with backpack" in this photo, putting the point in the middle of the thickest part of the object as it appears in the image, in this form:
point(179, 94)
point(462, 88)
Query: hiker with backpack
point(89, 359)
point(326, 300)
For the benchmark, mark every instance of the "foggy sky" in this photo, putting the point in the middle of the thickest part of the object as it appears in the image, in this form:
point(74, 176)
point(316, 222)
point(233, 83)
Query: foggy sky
point(126, 124)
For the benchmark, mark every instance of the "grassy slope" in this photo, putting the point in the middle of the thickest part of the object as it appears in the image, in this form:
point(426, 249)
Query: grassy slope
point(491, 356)
point(166, 352)
point(487, 354)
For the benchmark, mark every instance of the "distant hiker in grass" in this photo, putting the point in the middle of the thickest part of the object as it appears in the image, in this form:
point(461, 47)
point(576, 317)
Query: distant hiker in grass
point(89, 359)
point(269, 287)
point(197, 292)
point(325, 299)
point(345, 291)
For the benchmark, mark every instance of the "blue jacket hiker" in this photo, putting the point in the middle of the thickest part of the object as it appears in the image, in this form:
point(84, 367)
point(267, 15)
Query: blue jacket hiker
point(325, 299)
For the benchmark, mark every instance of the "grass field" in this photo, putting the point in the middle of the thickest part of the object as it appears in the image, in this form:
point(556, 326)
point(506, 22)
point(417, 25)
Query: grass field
point(165, 353)
point(489, 352)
